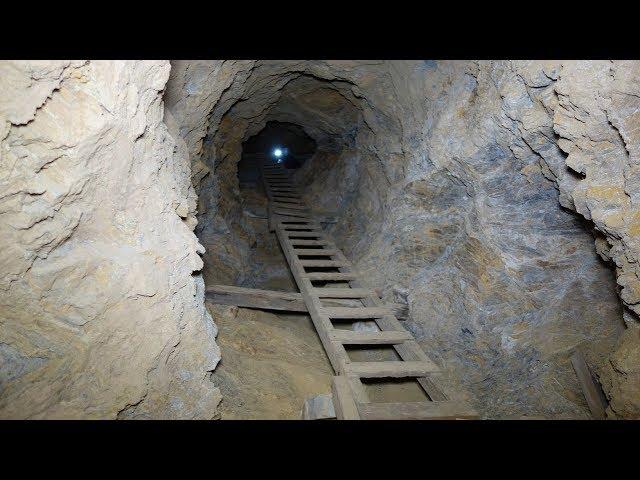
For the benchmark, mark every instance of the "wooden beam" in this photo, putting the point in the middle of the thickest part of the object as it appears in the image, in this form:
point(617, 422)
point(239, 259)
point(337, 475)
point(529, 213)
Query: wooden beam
point(275, 300)
point(416, 411)
point(333, 276)
point(343, 402)
point(590, 388)
point(355, 313)
point(352, 337)
point(339, 292)
point(322, 263)
point(392, 369)
point(254, 298)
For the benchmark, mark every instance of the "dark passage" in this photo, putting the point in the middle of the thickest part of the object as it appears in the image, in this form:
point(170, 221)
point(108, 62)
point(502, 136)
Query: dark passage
point(292, 142)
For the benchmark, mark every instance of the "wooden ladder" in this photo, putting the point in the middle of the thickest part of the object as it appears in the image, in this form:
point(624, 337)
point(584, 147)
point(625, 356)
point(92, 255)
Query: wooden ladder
point(300, 238)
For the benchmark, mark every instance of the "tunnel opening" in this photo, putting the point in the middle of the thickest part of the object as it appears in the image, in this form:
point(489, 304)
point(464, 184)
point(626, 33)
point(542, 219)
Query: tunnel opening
point(283, 142)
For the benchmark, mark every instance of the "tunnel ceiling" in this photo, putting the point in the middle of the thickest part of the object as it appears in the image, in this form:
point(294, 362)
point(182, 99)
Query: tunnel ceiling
point(328, 111)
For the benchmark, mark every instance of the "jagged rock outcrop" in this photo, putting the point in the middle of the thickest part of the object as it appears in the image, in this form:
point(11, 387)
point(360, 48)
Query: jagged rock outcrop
point(101, 307)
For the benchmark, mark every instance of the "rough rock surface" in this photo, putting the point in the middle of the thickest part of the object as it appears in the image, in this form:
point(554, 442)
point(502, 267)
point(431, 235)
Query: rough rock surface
point(271, 363)
point(101, 310)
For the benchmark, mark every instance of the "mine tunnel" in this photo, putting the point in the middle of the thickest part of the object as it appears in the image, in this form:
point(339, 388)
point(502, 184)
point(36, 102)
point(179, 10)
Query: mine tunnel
point(285, 143)
point(315, 239)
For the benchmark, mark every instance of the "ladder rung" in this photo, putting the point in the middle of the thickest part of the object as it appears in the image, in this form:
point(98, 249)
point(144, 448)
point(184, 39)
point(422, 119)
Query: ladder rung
point(291, 213)
point(290, 206)
point(387, 337)
point(302, 234)
point(323, 263)
point(295, 242)
point(415, 411)
point(294, 196)
point(390, 369)
point(362, 312)
point(316, 251)
point(301, 226)
point(339, 292)
point(337, 276)
point(288, 218)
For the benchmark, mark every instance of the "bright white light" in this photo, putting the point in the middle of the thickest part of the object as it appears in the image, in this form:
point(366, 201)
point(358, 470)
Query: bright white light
point(277, 152)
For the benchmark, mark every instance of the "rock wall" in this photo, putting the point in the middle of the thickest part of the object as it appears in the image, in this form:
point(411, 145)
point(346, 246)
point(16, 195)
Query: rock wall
point(193, 97)
point(101, 307)
point(503, 284)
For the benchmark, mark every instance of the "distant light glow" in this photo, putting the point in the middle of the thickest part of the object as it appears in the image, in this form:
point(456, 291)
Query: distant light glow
point(277, 153)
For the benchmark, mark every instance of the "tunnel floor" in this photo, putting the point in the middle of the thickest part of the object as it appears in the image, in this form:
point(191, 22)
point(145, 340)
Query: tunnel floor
point(271, 362)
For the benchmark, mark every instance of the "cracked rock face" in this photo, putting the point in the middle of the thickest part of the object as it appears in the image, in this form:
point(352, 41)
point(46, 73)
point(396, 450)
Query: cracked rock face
point(101, 311)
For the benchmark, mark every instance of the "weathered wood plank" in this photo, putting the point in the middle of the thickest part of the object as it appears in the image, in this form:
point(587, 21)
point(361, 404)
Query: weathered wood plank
point(302, 234)
point(356, 313)
point(254, 298)
point(323, 252)
point(343, 403)
point(292, 213)
point(339, 292)
point(302, 242)
point(390, 369)
point(270, 299)
point(336, 276)
point(253, 292)
point(290, 227)
point(590, 388)
point(416, 411)
point(291, 206)
point(282, 218)
point(287, 200)
point(352, 337)
point(322, 263)
point(294, 196)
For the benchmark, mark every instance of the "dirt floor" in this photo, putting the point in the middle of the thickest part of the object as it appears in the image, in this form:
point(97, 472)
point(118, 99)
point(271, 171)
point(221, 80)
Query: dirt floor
point(271, 361)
